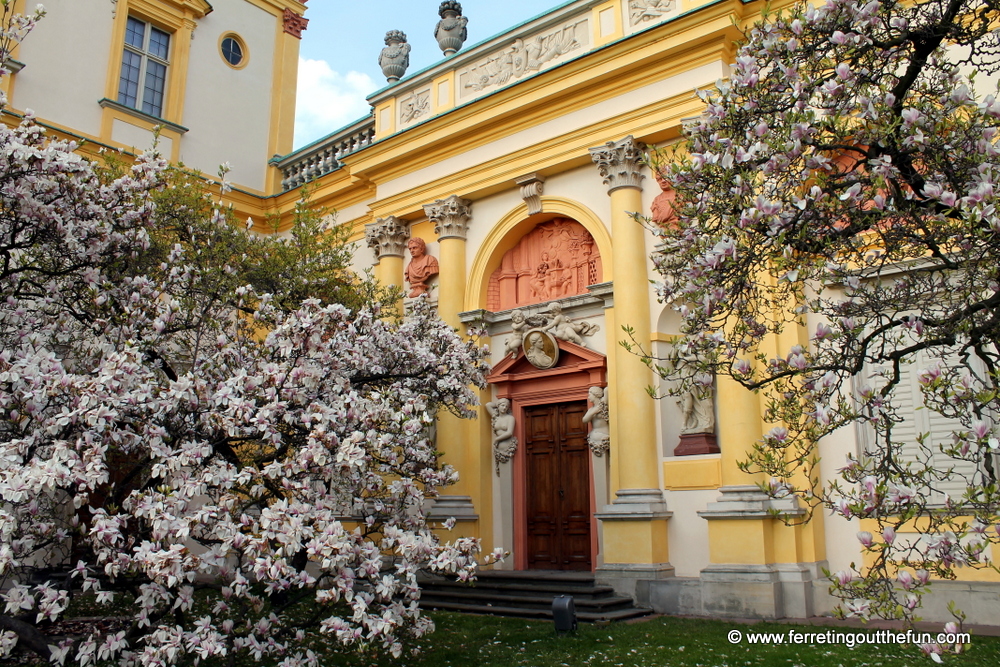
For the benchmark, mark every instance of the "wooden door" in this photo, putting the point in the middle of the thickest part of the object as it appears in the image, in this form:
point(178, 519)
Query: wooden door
point(557, 487)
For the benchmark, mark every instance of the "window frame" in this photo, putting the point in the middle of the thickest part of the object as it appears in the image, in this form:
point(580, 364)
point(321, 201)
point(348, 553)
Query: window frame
point(146, 55)
point(243, 50)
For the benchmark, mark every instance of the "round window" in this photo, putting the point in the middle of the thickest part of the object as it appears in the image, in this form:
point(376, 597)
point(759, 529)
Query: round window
point(233, 51)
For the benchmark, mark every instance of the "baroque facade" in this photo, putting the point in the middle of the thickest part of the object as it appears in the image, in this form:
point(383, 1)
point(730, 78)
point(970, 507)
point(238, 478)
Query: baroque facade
point(517, 163)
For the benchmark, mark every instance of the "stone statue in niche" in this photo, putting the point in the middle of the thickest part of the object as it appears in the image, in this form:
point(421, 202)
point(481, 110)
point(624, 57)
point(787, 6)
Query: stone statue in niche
point(541, 349)
point(697, 411)
point(504, 442)
point(395, 57)
point(697, 407)
point(564, 328)
point(422, 267)
point(556, 259)
point(597, 416)
point(450, 31)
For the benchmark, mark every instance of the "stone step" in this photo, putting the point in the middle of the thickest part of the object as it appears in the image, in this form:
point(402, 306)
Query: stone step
point(521, 599)
point(522, 612)
point(514, 588)
point(527, 594)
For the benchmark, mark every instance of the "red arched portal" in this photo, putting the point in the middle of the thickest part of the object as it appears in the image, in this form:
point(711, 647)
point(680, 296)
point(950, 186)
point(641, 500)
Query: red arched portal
point(554, 500)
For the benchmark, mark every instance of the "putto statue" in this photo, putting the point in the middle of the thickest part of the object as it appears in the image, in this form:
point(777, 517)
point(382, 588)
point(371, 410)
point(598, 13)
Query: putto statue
point(566, 329)
point(395, 57)
point(451, 32)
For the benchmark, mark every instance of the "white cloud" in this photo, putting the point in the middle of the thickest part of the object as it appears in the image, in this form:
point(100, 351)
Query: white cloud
point(328, 100)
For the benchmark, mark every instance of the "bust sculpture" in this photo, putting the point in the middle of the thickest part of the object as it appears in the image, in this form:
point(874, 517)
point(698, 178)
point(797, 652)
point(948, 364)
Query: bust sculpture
point(422, 267)
point(395, 57)
point(450, 31)
point(662, 210)
point(541, 349)
point(504, 442)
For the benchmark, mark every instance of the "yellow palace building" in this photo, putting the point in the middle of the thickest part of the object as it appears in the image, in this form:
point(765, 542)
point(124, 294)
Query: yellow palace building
point(501, 182)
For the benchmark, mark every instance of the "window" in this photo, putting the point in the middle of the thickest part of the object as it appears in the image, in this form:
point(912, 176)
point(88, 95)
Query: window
point(233, 51)
point(144, 67)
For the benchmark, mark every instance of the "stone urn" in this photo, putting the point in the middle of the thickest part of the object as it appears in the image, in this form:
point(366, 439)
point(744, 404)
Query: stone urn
point(395, 57)
point(451, 32)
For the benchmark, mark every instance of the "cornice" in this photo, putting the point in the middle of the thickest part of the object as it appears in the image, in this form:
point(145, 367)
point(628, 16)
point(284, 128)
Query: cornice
point(652, 123)
point(602, 74)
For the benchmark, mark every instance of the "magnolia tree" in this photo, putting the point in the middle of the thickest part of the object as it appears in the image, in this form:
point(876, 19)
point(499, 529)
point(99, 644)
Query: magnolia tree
point(835, 247)
point(230, 466)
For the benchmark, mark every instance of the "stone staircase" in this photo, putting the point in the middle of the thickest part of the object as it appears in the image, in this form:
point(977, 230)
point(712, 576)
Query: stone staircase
point(528, 594)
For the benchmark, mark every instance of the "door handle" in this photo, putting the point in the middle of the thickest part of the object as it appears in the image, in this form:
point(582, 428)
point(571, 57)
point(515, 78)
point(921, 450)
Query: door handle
point(562, 494)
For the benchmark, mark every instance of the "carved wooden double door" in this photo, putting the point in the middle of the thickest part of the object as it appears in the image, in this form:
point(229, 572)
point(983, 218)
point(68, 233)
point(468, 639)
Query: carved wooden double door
point(557, 487)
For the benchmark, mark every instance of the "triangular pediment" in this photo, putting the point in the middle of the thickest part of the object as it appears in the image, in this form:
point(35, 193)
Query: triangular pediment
point(572, 358)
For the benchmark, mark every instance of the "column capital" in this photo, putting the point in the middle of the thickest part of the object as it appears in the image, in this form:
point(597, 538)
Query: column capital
point(387, 236)
point(450, 216)
point(619, 163)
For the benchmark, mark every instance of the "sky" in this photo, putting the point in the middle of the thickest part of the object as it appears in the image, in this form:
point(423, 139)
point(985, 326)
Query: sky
point(338, 57)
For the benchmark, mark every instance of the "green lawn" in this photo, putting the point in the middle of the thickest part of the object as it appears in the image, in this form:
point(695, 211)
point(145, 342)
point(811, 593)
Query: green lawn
point(480, 641)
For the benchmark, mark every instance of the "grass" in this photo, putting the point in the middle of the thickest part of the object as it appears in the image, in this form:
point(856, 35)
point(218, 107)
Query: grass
point(479, 641)
point(464, 640)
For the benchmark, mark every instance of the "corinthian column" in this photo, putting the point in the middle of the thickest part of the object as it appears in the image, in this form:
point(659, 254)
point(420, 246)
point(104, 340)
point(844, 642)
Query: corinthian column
point(635, 524)
point(451, 217)
point(388, 237)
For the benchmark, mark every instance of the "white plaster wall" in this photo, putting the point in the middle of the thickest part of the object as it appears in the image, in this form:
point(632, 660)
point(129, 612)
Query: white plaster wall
point(66, 64)
point(139, 138)
point(228, 110)
point(703, 76)
point(687, 533)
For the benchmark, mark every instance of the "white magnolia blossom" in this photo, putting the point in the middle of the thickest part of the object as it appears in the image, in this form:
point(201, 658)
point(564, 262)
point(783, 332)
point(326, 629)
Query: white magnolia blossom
point(165, 452)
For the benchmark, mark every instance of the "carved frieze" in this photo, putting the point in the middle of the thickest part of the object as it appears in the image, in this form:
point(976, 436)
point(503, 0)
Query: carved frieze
point(619, 163)
point(414, 106)
point(387, 236)
point(556, 259)
point(450, 216)
point(649, 11)
point(525, 56)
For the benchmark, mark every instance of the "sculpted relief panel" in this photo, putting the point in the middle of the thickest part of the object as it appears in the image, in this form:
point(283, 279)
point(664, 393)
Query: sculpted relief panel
point(524, 56)
point(649, 11)
point(556, 259)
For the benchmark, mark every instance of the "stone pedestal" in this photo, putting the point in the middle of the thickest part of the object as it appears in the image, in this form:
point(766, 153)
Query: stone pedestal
point(696, 443)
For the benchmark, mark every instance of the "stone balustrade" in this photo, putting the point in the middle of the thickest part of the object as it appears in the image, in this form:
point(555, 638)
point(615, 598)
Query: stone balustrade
point(324, 156)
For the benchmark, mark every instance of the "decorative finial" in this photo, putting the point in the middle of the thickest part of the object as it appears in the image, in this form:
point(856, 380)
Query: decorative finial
point(395, 57)
point(450, 32)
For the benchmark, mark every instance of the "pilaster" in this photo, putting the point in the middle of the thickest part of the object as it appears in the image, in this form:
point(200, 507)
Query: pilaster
point(388, 237)
point(451, 217)
point(634, 525)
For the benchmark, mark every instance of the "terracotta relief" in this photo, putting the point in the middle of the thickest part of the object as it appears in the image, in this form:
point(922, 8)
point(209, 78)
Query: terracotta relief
point(556, 259)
